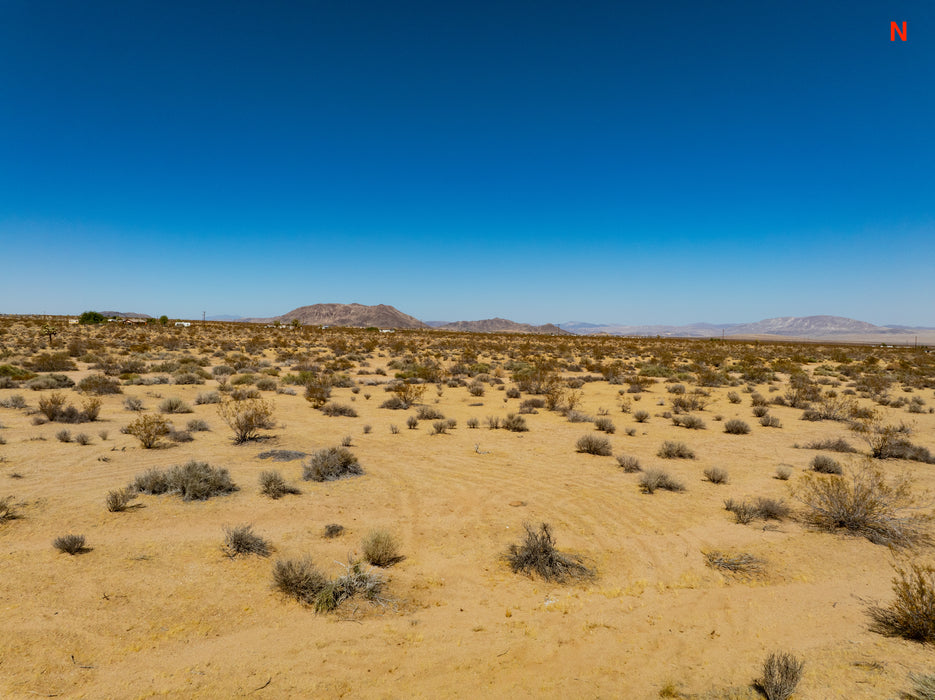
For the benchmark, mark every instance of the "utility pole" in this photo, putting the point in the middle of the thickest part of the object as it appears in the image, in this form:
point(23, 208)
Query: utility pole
point(202, 319)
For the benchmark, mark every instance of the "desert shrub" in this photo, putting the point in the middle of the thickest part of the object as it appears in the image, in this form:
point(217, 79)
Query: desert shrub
point(439, 427)
point(735, 426)
point(70, 544)
point(14, 401)
point(537, 554)
point(641, 416)
point(131, 403)
point(243, 540)
point(247, 418)
point(476, 388)
point(355, 581)
point(174, 404)
point(760, 411)
point(380, 548)
point(429, 413)
point(514, 423)
point(197, 425)
point(760, 509)
point(605, 425)
point(594, 445)
point(783, 473)
point(99, 384)
point(688, 421)
point(573, 416)
point(273, 485)
point(90, 409)
point(51, 405)
point(839, 445)
point(338, 409)
point(472, 423)
point(823, 464)
point(675, 450)
point(331, 464)
point(741, 564)
point(901, 448)
point(207, 397)
point(513, 393)
point(50, 381)
point(193, 481)
point(412, 422)
point(179, 436)
point(629, 464)
point(118, 500)
point(148, 429)
point(911, 615)
point(394, 403)
point(769, 421)
point(8, 509)
point(758, 400)
point(733, 397)
point(862, 502)
point(53, 362)
point(63, 435)
point(187, 378)
point(333, 530)
point(299, 579)
point(83, 439)
point(716, 475)
point(266, 384)
point(781, 674)
point(923, 687)
point(493, 422)
point(653, 479)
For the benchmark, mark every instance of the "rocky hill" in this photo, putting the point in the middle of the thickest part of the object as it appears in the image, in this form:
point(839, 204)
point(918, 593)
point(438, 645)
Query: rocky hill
point(353, 315)
point(501, 325)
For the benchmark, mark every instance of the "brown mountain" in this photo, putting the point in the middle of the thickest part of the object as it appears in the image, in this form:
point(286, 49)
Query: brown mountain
point(354, 315)
point(501, 325)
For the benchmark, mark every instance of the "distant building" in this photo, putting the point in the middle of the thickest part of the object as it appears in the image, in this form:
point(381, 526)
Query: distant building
point(183, 324)
point(73, 322)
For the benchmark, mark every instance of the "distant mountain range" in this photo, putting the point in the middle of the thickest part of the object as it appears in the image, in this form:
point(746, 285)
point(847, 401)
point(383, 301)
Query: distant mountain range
point(385, 316)
point(122, 314)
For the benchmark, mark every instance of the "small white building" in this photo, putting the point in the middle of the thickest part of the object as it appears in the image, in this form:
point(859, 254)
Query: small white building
point(183, 324)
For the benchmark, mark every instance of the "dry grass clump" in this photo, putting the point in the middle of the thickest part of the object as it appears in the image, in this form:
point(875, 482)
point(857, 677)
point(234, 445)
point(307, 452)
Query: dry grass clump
point(760, 509)
point(331, 464)
point(381, 549)
point(629, 464)
point(272, 484)
point(243, 540)
point(302, 580)
point(537, 554)
point(864, 503)
point(740, 564)
point(8, 509)
point(654, 479)
point(923, 687)
point(911, 615)
point(594, 445)
point(675, 450)
point(356, 581)
point(716, 475)
point(193, 481)
point(688, 421)
point(605, 425)
point(71, 544)
point(641, 416)
point(247, 417)
point(118, 501)
point(148, 429)
point(299, 579)
point(781, 674)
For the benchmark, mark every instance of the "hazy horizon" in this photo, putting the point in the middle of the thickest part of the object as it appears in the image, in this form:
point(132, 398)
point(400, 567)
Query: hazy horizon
point(626, 163)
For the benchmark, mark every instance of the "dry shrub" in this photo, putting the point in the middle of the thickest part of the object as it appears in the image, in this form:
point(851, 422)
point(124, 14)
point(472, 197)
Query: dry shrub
point(243, 540)
point(247, 418)
point(839, 445)
point(333, 530)
point(193, 481)
point(735, 426)
point(99, 384)
point(823, 464)
point(70, 544)
point(380, 548)
point(863, 502)
point(781, 674)
point(654, 479)
point(537, 554)
point(740, 564)
point(923, 687)
point(594, 445)
point(911, 615)
point(629, 464)
point(148, 429)
point(514, 423)
point(338, 409)
point(273, 485)
point(641, 416)
point(760, 509)
point(298, 578)
point(356, 581)
point(118, 500)
point(675, 450)
point(8, 509)
point(331, 464)
point(716, 475)
point(174, 404)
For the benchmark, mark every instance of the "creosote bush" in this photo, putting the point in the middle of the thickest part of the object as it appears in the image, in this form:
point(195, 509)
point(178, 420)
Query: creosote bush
point(380, 548)
point(716, 475)
point(193, 481)
point(148, 429)
point(537, 554)
point(331, 464)
point(781, 674)
point(653, 479)
point(823, 464)
point(629, 464)
point(594, 445)
point(241, 539)
point(247, 417)
point(735, 426)
point(911, 615)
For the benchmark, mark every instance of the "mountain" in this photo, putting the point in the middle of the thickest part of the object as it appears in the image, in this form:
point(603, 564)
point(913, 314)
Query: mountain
point(354, 315)
point(787, 326)
point(502, 325)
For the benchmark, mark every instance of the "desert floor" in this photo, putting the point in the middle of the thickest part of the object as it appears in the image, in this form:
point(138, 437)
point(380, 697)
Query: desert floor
point(156, 609)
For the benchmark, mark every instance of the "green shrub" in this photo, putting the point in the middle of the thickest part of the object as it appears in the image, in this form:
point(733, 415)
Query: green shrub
point(247, 417)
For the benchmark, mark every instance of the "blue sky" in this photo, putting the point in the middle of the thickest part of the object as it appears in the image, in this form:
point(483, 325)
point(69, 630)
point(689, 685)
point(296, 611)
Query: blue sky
point(629, 162)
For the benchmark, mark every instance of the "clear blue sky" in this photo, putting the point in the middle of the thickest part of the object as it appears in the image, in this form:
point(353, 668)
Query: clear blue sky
point(630, 162)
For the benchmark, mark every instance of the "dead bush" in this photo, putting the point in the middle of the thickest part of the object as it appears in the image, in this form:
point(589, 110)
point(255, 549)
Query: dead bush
point(741, 564)
point(243, 540)
point(716, 475)
point(537, 554)
point(781, 674)
point(299, 579)
point(911, 615)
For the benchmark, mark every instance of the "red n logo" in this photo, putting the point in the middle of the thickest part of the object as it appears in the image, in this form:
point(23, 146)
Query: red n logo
point(894, 30)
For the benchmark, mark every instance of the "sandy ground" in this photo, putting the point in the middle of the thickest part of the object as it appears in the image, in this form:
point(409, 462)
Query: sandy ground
point(156, 609)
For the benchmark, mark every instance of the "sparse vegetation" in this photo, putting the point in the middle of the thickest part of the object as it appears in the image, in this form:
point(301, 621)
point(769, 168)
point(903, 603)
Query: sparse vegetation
point(537, 554)
point(148, 429)
point(656, 479)
point(716, 475)
point(192, 481)
point(380, 548)
point(70, 544)
point(675, 450)
point(594, 445)
point(739, 564)
point(629, 464)
point(735, 426)
point(781, 674)
point(247, 418)
point(272, 484)
point(118, 500)
point(241, 539)
point(331, 464)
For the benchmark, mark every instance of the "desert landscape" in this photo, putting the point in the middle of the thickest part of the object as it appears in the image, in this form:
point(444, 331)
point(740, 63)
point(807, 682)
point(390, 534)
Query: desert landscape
point(246, 510)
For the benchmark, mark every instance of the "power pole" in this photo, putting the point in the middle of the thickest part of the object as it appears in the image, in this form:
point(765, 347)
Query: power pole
point(202, 319)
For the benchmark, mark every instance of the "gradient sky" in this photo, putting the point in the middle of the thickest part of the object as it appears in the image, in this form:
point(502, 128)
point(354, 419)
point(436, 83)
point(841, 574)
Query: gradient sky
point(629, 162)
